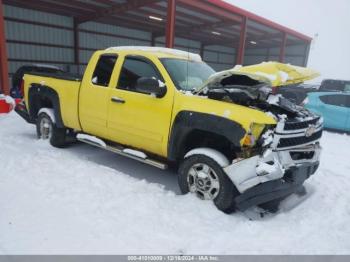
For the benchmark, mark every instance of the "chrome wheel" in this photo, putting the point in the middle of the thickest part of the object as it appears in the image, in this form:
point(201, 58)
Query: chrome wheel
point(203, 181)
point(45, 128)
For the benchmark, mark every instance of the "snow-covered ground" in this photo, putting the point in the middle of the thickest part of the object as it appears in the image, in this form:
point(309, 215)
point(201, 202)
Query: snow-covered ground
point(83, 200)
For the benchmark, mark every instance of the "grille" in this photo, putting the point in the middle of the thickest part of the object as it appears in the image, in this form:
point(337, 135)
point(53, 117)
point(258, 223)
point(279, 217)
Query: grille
point(295, 141)
point(300, 125)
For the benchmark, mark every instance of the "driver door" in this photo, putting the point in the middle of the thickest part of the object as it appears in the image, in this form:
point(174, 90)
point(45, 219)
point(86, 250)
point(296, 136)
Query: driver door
point(137, 119)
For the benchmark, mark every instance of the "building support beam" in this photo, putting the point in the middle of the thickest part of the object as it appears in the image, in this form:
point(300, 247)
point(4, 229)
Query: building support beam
point(306, 53)
point(242, 40)
point(201, 51)
point(116, 9)
point(267, 57)
point(283, 47)
point(76, 44)
point(153, 39)
point(4, 74)
point(170, 24)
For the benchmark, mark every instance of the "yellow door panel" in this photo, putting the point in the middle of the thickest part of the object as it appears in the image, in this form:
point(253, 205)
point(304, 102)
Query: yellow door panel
point(94, 95)
point(136, 119)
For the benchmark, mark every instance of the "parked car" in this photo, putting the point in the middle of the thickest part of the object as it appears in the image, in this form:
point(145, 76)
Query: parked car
point(334, 107)
point(298, 92)
point(333, 85)
point(235, 142)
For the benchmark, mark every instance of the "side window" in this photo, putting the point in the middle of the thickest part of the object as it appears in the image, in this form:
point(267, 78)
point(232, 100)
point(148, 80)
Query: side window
point(103, 71)
point(336, 100)
point(133, 69)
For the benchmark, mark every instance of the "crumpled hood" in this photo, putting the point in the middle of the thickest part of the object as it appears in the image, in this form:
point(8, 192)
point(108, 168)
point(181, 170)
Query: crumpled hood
point(279, 74)
point(268, 73)
point(218, 77)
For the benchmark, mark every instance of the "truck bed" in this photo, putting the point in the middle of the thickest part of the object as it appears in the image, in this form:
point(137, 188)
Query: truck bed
point(66, 87)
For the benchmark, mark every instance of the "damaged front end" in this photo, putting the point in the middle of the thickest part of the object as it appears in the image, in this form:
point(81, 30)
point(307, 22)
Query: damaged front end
point(275, 164)
point(290, 157)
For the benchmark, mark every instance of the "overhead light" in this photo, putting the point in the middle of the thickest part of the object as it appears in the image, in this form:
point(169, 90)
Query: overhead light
point(253, 42)
point(155, 18)
point(215, 33)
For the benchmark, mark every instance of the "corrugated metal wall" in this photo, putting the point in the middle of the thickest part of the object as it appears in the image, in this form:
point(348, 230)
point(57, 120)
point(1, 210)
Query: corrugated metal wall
point(20, 34)
point(218, 57)
point(90, 39)
point(37, 42)
point(293, 54)
point(38, 37)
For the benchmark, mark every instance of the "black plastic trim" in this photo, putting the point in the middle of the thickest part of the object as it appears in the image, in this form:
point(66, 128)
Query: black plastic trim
point(299, 140)
point(300, 125)
point(188, 121)
point(38, 92)
point(58, 75)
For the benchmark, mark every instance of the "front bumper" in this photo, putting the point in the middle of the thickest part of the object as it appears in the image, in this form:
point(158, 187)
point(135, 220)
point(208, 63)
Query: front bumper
point(291, 157)
point(271, 165)
point(290, 183)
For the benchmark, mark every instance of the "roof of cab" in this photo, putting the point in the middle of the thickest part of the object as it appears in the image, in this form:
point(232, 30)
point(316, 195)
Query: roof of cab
point(160, 52)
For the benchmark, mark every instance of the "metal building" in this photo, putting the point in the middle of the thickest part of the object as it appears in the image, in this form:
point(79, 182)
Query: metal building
point(65, 33)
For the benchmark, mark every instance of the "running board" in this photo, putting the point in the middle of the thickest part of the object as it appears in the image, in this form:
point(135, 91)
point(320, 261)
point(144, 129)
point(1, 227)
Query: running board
point(120, 151)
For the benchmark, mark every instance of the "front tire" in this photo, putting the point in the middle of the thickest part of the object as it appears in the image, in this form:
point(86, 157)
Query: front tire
point(46, 129)
point(205, 178)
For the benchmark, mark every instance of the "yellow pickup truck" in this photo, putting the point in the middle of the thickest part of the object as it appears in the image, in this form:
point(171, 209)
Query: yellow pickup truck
point(234, 142)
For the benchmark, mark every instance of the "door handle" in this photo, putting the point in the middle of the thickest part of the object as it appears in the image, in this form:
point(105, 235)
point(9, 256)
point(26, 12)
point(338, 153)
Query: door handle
point(117, 100)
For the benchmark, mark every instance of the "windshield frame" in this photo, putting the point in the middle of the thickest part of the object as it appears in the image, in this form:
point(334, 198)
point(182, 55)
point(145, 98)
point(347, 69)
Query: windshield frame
point(175, 82)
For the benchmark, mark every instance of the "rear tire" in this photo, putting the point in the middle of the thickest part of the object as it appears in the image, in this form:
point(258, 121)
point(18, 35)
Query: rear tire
point(46, 129)
point(198, 164)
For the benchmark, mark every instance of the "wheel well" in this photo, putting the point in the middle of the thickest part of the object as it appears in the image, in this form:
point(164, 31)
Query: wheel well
point(40, 96)
point(199, 138)
point(37, 102)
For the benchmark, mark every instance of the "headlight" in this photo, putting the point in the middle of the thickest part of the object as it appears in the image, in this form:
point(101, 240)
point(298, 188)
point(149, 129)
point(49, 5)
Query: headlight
point(253, 134)
point(249, 140)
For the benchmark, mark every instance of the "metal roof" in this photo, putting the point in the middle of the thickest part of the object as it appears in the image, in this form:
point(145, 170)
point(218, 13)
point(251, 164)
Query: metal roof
point(207, 21)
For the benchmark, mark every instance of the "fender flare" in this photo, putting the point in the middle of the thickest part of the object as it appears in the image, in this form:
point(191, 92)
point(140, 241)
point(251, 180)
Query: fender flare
point(37, 92)
point(50, 112)
point(187, 121)
point(217, 156)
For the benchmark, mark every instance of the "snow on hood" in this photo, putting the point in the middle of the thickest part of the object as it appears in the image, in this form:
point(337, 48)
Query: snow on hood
point(280, 74)
point(269, 73)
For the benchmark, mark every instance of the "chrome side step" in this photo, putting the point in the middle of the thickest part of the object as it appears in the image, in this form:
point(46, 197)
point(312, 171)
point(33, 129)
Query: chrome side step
point(119, 151)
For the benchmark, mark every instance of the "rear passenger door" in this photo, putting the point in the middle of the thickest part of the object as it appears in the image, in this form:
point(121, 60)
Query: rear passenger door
point(335, 110)
point(94, 94)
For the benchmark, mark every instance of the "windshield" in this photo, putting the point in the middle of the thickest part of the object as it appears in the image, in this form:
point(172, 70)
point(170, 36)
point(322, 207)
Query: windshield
point(187, 75)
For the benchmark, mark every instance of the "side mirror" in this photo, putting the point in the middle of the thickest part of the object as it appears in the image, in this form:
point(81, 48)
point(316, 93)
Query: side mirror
point(150, 85)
